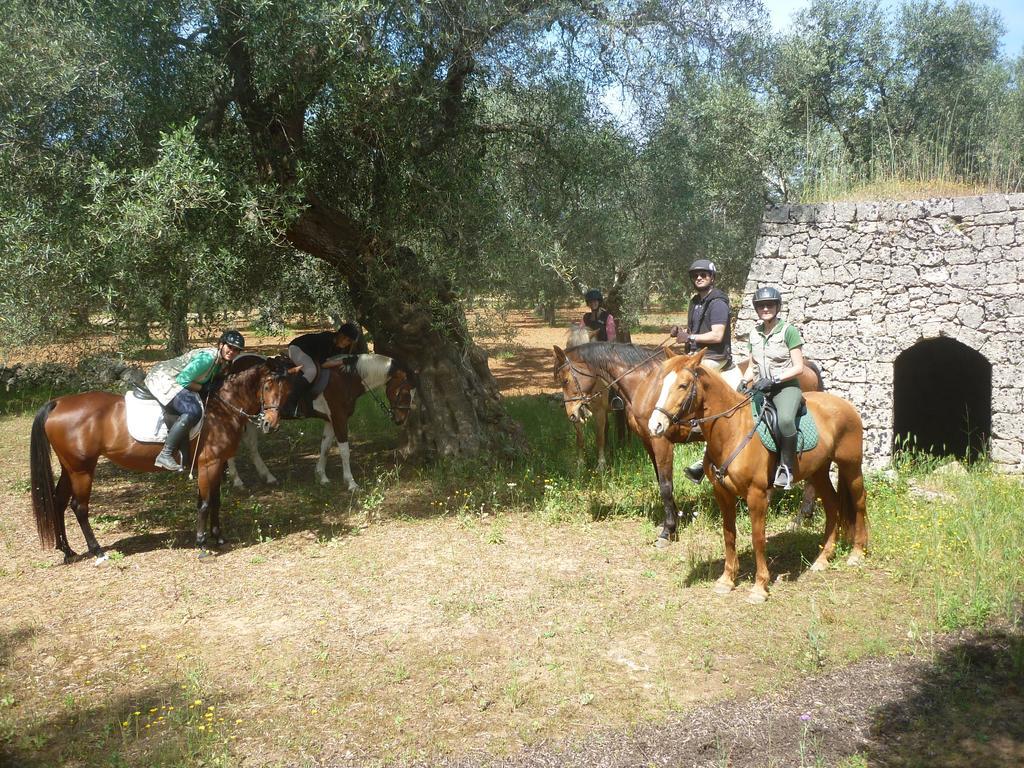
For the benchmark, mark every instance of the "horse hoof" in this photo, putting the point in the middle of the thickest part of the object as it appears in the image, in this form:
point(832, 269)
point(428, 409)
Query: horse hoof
point(100, 559)
point(756, 596)
point(324, 481)
point(271, 480)
point(353, 487)
point(855, 559)
point(205, 554)
point(818, 565)
point(723, 588)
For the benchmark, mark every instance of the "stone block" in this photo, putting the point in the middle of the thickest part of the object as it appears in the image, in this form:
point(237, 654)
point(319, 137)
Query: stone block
point(1015, 202)
point(1004, 235)
point(844, 212)
point(911, 209)
point(867, 212)
point(1004, 217)
point(778, 213)
point(993, 203)
point(968, 206)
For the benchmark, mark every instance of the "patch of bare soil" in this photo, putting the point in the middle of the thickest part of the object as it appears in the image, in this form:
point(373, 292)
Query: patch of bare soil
point(961, 706)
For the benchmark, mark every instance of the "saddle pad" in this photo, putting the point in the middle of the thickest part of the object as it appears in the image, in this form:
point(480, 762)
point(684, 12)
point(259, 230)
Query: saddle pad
point(146, 420)
point(806, 429)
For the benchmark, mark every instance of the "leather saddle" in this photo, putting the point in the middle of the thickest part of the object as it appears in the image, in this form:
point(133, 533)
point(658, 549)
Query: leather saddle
point(770, 415)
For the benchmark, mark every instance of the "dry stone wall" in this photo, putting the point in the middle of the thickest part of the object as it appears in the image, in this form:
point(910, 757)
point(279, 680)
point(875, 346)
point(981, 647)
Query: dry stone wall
point(866, 281)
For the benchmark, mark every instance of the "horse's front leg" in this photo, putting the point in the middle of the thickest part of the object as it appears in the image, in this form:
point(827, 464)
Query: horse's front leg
point(727, 506)
point(250, 439)
point(661, 455)
point(757, 504)
point(208, 507)
point(601, 432)
point(343, 448)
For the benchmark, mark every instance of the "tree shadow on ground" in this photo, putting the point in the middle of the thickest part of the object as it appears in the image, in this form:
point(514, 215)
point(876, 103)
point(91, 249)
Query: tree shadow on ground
point(790, 553)
point(964, 709)
point(114, 732)
point(9, 640)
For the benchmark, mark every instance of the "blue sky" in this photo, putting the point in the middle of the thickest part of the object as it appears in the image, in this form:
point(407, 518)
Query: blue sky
point(1012, 12)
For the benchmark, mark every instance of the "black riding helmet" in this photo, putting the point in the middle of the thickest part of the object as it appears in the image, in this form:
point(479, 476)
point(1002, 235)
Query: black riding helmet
point(593, 295)
point(703, 265)
point(349, 329)
point(767, 296)
point(233, 339)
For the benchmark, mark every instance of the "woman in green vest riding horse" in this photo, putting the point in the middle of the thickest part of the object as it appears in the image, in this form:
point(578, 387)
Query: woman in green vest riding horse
point(777, 360)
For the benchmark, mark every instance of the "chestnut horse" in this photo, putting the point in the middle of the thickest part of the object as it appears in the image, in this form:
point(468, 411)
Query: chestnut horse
point(81, 428)
point(689, 394)
point(336, 406)
point(582, 371)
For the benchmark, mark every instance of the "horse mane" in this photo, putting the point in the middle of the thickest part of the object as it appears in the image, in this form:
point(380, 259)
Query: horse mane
point(372, 368)
point(604, 353)
point(576, 336)
point(244, 362)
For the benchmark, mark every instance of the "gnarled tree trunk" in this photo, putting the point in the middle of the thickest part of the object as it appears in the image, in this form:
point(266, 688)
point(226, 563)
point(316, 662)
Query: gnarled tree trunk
point(415, 317)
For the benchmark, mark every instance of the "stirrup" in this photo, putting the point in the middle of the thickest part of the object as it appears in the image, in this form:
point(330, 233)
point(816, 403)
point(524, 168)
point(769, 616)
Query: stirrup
point(617, 403)
point(783, 477)
point(695, 473)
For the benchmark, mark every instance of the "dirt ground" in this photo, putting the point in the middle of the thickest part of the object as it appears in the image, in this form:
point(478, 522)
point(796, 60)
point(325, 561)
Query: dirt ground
point(394, 627)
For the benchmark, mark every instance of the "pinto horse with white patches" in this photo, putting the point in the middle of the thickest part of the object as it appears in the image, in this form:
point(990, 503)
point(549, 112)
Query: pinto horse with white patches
point(336, 405)
point(741, 467)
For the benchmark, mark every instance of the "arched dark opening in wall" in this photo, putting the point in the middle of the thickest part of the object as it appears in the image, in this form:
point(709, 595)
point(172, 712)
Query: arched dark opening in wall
point(942, 399)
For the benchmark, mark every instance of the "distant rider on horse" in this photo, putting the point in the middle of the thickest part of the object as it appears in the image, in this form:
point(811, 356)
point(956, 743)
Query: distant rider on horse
point(311, 351)
point(177, 384)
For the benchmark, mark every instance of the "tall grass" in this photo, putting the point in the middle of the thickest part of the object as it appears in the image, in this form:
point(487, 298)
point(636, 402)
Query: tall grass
point(943, 163)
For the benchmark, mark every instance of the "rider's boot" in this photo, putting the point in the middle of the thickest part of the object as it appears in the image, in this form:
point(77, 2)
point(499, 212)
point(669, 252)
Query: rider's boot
point(176, 435)
point(695, 472)
point(787, 461)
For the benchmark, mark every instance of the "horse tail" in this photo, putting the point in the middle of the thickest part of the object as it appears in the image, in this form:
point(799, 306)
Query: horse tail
point(44, 504)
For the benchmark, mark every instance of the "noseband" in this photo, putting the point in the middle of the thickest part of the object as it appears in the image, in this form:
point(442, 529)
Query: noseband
point(579, 389)
point(685, 406)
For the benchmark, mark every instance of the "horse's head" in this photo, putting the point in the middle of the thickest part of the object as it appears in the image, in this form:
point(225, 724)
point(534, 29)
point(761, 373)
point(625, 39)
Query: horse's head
point(577, 382)
point(278, 378)
point(399, 388)
point(678, 388)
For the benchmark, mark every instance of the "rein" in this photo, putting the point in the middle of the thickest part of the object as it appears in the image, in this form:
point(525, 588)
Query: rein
point(721, 471)
point(587, 398)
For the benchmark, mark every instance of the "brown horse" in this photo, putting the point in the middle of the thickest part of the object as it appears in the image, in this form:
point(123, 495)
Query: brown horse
point(597, 407)
point(582, 371)
point(82, 428)
point(336, 406)
point(689, 394)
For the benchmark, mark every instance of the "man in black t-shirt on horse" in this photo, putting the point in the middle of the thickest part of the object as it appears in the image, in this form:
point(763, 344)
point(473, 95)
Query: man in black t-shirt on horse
point(707, 327)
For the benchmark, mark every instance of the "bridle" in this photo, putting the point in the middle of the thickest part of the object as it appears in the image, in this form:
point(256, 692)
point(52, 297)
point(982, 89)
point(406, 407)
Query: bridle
point(579, 389)
point(684, 407)
point(259, 420)
point(587, 398)
point(403, 404)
